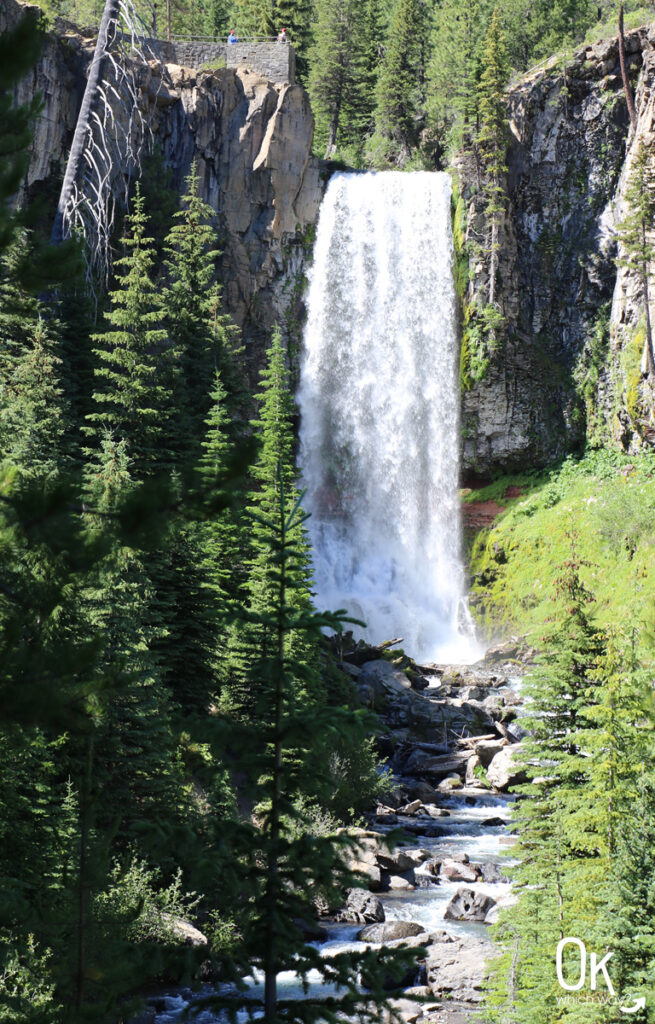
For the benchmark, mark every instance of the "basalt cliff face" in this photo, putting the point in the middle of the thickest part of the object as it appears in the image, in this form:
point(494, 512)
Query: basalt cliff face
point(571, 359)
point(251, 139)
point(566, 367)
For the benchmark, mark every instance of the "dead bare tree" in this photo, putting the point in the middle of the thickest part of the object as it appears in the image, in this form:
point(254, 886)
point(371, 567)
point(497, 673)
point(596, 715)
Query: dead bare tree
point(627, 88)
point(112, 131)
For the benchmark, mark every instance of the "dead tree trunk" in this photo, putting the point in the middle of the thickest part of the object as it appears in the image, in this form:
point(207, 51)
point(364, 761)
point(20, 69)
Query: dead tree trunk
point(109, 16)
point(627, 88)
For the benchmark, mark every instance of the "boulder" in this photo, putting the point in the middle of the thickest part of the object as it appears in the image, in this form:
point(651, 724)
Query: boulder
point(411, 808)
point(450, 783)
point(456, 968)
point(494, 912)
point(433, 811)
point(473, 762)
point(424, 792)
point(390, 930)
point(400, 882)
point(503, 770)
point(469, 905)
point(361, 907)
point(487, 750)
point(427, 873)
point(362, 856)
point(395, 861)
point(380, 679)
point(457, 872)
point(491, 873)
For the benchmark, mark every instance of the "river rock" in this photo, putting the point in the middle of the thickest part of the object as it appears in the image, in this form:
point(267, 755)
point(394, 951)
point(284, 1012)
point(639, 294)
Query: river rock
point(491, 873)
point(395, 861)
point(469, 905)
point(455, 872)
point(456, 968)
point(411, 808)
point(424, 792)
point(450, 783)
point(400, 882)
point(503, 770)
point(390, 930)
point(487, 750)
point(505, 901)
point(427, 874)
point(362, 856)
point(433, 811)
point(361, 907)
point(381, 680)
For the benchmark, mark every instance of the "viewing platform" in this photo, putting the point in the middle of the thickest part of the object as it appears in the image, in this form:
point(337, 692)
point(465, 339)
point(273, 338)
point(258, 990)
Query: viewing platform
point(264, 55)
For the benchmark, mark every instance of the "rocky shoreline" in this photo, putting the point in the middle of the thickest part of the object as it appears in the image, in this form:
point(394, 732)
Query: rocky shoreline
point(450, 736)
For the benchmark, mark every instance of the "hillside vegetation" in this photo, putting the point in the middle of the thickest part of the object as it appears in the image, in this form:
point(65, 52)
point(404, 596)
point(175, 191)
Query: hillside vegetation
point(602, 506)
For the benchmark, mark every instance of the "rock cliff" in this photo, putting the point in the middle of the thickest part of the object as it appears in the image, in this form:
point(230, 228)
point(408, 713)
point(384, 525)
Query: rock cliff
point(251, 138)
point(553, 378)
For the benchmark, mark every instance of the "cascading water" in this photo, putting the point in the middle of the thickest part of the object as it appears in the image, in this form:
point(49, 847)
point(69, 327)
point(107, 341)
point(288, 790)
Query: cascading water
point(379, 405)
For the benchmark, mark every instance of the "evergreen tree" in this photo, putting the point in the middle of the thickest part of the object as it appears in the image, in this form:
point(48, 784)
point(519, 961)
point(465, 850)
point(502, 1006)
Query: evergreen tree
point(133, 397)
point(635, 232)
point(34, 421)
point(273, 469)
point(455, 68)
point(282, 864)
point(492, 140)
point(400, 85)
point(188, 302)
point(336, 61)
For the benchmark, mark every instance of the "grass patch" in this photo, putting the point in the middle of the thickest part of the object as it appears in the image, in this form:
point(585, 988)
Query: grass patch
point(603, 503)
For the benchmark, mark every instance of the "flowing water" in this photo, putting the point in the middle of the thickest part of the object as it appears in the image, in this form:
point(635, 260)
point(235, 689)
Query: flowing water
point(379, 400)
point(379, 443)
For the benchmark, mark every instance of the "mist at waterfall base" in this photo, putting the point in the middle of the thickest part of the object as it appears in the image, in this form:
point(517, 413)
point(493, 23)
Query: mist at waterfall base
point(379, 407)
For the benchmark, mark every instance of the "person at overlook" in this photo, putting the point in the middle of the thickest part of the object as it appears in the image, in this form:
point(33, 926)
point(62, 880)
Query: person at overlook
point(282, 38)
point(233, 37)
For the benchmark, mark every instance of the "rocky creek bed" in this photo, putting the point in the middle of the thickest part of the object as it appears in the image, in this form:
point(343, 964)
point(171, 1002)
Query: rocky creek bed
point(450, 736)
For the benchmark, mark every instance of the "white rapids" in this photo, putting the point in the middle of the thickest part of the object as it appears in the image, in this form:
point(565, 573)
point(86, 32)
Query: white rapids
point(379, 405)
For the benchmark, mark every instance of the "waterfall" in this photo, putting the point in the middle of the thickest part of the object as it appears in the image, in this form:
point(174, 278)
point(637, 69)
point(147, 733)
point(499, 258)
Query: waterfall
point(379, 406)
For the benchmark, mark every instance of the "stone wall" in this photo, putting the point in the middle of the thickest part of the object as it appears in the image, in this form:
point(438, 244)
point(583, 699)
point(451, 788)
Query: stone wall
point(274, 61)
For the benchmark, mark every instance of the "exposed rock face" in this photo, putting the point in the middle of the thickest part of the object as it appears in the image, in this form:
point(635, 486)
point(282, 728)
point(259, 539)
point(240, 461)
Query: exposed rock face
point(569, 127)
point(251, 139)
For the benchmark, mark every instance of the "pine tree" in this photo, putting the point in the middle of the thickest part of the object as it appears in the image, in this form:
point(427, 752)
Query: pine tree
point(273, 469)
point(492, 140)
point(455, 68)
point(133, 397)
point(188, 301)
point(635, 232)
point(336, 59)
point(282, 865)
point(560, 874)
point(34, 416)
point(401, 80)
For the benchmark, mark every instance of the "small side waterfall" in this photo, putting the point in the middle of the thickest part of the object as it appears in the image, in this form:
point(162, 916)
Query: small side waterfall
point(379, 401)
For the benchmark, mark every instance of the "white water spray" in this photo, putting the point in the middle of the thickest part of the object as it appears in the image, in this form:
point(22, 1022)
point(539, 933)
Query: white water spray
point(379, 404)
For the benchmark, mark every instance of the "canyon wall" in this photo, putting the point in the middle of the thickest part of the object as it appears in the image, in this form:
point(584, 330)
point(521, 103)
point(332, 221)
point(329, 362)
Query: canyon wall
point(556, 377)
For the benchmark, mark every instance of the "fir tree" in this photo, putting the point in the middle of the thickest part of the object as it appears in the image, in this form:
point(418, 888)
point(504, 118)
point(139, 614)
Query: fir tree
point(336, 58)
point(188, 303)
point(282, 864)
point(133, 399)
point(273, 469)
point(492, 140)
point(635, 232)
point(401, 80)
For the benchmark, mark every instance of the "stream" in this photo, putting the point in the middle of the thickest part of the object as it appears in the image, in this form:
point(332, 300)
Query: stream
point(474, 832)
